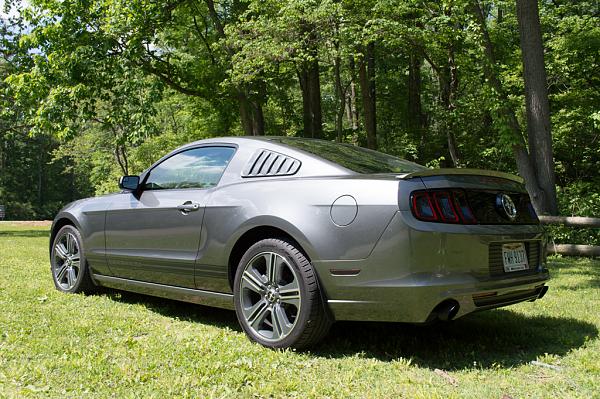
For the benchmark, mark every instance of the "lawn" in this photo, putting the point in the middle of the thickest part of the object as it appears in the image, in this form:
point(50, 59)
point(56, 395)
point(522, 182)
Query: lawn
point(117, 344)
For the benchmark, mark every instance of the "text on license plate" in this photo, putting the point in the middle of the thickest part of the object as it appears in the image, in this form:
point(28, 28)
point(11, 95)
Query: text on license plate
point(514, 257)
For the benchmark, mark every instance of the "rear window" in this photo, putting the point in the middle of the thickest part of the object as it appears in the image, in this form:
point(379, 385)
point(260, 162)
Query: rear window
point(357, 159)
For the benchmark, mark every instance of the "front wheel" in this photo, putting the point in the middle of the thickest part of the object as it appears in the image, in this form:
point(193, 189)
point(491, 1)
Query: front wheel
point(277, 297)
point(67, 259)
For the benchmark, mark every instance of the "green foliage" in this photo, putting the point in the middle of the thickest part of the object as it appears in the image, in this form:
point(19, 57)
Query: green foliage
point(574, 78)
point(112, 85)
point(578, 199)
point(31, 185)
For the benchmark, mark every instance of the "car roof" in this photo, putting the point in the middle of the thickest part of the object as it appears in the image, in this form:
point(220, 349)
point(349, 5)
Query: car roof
point(245, 139)
point(266, 142)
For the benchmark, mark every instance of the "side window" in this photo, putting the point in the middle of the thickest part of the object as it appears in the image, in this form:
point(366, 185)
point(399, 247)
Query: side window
point(195, 168)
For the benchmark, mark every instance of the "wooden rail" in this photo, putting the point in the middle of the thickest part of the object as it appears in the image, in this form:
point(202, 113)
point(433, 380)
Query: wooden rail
point(571, 221)
point(576, 222)
point(574, 250)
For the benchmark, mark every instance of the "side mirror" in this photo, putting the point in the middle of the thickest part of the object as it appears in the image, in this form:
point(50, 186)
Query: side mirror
point(129, 183)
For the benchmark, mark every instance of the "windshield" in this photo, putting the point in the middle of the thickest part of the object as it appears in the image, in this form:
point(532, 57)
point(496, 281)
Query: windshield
point(357, 159)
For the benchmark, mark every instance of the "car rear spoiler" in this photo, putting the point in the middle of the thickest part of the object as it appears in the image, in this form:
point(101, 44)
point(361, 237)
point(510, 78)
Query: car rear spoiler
point(462, 171)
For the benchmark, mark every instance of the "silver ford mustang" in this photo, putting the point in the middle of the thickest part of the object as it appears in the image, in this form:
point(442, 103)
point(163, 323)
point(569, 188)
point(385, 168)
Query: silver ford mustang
point(295, 233)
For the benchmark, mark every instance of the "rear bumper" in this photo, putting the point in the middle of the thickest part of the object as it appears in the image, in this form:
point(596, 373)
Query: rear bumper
point(411, 271)
point(415, 302)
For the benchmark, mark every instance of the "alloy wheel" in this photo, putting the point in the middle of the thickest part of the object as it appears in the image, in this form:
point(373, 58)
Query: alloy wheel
point(270, 296)
point(67, 265)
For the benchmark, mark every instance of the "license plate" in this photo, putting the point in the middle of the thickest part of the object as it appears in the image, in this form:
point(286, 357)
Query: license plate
point(514, 257)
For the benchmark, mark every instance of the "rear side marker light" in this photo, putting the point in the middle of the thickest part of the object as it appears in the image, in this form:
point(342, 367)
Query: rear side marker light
point(442, 206)
point(484, 295)
point(344, 272)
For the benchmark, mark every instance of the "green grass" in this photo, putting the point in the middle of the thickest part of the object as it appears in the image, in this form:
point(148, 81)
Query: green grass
point(124, 345)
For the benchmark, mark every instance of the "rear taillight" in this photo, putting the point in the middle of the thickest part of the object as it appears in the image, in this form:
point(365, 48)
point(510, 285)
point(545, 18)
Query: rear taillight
point(422, 206)
point(464, 209)
point(442, 206)
point(445, 205)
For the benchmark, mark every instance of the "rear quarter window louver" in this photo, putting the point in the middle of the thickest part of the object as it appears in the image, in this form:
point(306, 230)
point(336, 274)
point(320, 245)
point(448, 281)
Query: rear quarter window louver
point(270, 163)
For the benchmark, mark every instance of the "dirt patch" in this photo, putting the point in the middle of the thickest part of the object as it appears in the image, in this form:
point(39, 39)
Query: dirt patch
point(31, 223)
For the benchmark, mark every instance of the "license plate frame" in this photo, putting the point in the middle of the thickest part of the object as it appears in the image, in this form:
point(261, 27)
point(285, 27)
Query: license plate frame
point(514, 257)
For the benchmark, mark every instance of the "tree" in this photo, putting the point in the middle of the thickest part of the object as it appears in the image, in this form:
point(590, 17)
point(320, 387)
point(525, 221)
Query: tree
point(536, 102)
point(366, 73)
point(104, 86)
point(309, 77)
point(278, 38)
point(31, 185)
point(527, 164)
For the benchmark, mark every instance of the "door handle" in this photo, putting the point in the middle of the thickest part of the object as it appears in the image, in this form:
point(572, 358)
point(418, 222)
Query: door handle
point(188, 206)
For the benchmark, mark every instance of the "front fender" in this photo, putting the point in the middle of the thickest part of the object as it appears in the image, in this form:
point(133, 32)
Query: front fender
point(88, 216)
point(63, 218)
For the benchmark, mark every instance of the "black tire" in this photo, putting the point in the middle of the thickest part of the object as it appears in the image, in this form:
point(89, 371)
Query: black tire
point(82, 281)
point(311, 321)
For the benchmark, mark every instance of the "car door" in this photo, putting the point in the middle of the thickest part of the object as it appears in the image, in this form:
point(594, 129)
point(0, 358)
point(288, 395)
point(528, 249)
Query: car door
point(153, 234)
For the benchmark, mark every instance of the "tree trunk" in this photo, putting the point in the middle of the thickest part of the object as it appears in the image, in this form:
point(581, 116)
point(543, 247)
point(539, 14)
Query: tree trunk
point(366, 74)
point(340, 96)
point(259, 120)
point(121, 156)
point(525, 166)
point(314, 82)
point(257, 101)
point(306, 111)
point(451, 106)
point(251, 115)
point(416, 119)
point(40, 186)
point(415, 110)
point(448, 81)
point(353, 110)
point(310, 86)
point(251, 112)
point(536, 100)
point(246, 114)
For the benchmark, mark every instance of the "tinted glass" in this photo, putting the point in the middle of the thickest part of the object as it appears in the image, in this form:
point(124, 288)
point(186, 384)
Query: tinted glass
point(196, 168)
point(357, 159)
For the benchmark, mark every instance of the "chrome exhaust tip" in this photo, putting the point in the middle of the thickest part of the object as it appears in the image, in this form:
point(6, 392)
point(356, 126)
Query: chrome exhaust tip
point(446, 310)
point(542, 292)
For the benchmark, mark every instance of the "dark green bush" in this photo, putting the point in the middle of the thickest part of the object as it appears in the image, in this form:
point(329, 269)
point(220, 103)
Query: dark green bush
point(578, 199)
point(19, 211)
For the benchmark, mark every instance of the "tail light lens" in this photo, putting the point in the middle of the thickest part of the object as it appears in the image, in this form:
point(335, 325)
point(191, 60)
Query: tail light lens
point(444, 203)
point(460, 198)
point(442, 206)
point(422, 207)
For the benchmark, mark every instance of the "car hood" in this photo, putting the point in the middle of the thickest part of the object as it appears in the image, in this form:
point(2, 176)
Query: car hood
point(84, 201)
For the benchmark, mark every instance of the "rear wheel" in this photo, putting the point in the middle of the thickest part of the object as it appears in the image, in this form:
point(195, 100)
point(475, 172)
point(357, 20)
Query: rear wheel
point(69, 268)
point(277, 297)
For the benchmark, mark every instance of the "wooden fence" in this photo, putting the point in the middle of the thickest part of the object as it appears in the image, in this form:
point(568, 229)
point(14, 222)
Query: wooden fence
point(575, 222)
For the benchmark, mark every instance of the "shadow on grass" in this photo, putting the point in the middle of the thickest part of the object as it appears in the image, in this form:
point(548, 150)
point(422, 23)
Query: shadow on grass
point(498, 338)
point(176, 309)
point(25, 233)
point(588, 274)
